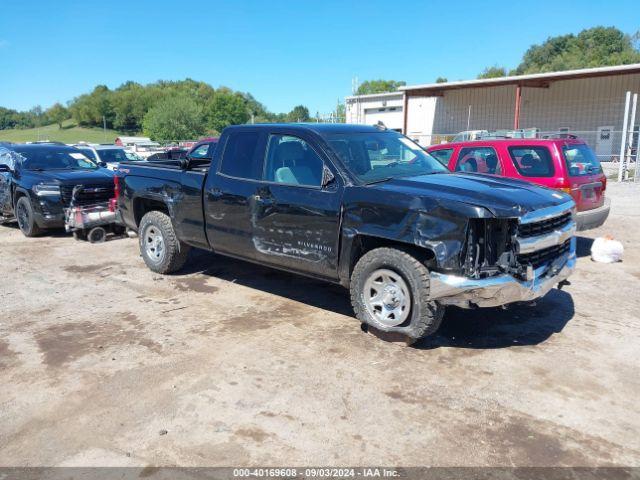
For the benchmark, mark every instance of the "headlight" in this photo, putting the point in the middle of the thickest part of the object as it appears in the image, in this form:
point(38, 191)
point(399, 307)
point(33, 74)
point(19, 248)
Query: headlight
point(47, 190)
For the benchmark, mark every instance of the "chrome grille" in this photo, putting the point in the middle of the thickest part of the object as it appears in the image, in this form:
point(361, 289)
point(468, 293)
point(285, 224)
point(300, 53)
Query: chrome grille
point(534, 229)
point(545, 235)
point(90, 195)
point(546, 255)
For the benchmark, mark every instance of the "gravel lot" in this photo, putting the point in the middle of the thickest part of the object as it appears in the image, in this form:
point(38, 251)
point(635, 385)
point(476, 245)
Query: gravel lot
point(103, 362)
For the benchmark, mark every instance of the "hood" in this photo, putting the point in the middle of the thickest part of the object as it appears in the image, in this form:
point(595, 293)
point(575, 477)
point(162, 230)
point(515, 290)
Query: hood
point(503, 197)
point(75, 177)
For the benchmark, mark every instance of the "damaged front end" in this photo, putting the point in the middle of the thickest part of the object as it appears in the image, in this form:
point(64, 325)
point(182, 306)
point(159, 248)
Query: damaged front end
point(507, 260)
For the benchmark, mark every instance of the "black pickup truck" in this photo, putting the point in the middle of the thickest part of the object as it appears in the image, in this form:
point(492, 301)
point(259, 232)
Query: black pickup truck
point(361, 206)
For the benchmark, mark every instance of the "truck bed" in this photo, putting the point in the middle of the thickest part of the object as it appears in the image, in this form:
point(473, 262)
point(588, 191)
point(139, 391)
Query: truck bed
point(166, 186)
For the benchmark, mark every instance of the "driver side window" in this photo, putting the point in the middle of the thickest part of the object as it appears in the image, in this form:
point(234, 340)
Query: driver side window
point(292, 161)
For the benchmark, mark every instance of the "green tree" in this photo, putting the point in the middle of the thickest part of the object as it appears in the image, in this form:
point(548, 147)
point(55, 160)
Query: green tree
point(593, 47)
point(226, 109)
point(176, 117)
point(299, 113)
point(379, 86)
point(255, 108)
point(7, 118)
point(57, 113)
point(493, 72)
point(441, 80)
point(130, 105)
point(91, 109)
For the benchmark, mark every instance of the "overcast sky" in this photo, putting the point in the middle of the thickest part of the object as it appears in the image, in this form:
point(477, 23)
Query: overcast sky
point(283, 52)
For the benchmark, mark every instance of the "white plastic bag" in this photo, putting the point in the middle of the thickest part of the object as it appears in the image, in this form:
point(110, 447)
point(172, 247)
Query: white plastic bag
point(606, 250)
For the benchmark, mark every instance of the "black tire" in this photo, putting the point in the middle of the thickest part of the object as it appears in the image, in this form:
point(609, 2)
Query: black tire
point(97, 235)
point(424, 318)
point(26, 218)
point(175, 252)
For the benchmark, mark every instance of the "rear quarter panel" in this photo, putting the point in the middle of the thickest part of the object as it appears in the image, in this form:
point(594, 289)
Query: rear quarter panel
point(180, 192)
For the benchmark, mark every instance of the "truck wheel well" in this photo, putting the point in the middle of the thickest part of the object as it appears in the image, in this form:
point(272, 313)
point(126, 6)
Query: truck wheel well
point(142, 206)
point(17, 195)
point(364, 243)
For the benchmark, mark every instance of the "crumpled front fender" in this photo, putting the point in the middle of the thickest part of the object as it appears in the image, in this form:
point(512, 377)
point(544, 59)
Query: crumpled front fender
point(439, 226)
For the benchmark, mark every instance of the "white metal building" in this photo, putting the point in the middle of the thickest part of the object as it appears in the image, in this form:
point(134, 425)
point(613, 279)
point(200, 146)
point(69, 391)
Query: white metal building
point(380, 107)
point(587, 102)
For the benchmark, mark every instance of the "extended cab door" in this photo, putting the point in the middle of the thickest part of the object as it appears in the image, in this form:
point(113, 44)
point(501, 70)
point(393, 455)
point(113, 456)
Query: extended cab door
point(296, 211)
point(189, 217)
point(230, 192)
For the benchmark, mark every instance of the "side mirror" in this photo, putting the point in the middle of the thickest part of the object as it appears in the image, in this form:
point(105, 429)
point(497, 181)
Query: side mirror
point(102, 164)
point(327, 177)
point(184, 163)
point(5, 168)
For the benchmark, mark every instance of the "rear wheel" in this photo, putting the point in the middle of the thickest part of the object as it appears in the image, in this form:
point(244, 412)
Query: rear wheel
point(26, 218)
point(389, 291)
point(159, 245)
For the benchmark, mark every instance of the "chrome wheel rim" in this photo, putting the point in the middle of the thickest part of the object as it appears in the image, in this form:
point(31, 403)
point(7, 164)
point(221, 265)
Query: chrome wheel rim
point(23, 217)
point(154, 244)
point(387, 298)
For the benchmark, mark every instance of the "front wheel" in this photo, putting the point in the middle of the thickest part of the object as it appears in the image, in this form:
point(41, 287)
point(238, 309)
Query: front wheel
point(26, 218)
point(389, 291)
point(159, 245)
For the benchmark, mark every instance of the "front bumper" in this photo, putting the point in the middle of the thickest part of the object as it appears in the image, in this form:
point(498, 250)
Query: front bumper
point(49, 220)
point(48, 212)
point(594, 218)
point(501, 289)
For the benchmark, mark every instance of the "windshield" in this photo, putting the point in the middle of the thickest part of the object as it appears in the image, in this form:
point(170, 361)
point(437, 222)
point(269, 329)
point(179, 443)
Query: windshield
point(117, 155)
point(55, 158)
point(375, 156)
point(89, 153)
point(581, 160)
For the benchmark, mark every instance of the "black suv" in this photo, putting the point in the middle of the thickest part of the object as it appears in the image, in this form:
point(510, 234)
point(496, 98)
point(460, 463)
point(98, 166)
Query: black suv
point(37, 181)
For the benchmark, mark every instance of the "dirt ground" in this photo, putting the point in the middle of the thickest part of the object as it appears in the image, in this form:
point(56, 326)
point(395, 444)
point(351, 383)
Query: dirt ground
point(103, 362)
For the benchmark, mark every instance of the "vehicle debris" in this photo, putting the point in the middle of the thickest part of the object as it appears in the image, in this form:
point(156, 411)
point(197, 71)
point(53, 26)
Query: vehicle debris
point(606, 250)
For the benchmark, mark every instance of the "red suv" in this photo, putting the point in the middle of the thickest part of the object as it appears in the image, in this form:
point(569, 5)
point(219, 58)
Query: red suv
point(566, 164)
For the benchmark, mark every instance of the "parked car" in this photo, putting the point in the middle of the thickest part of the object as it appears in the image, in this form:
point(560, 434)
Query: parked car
point(203, 149)
point(200, 152)
point(145, 149)
point(172, 153)
point(37, 183)
point(108, 155)
point(566, 164)
point(361, 206)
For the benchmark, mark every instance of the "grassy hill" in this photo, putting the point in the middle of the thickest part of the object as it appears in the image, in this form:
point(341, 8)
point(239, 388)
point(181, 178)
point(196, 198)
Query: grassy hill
point(69, 133)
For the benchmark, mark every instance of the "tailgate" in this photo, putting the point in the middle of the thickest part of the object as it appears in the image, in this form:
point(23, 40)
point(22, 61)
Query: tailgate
point(588, 191)
point(586, 180)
